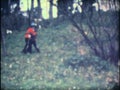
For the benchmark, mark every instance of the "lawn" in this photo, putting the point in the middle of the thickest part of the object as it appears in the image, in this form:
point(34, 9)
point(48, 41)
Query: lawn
point(62, 64)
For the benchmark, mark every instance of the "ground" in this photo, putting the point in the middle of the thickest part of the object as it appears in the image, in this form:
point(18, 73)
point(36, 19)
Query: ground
point(63, 63)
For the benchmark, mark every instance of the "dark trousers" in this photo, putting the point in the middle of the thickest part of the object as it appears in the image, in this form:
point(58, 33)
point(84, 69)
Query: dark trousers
point(32, 42)
point(28, 45)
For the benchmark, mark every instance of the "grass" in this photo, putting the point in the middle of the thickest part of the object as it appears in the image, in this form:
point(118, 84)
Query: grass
point(54, 68)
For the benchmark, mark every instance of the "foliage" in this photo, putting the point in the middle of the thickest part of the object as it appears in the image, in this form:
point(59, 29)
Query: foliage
point(99, 29)
point(73, 56)
point(13, 22)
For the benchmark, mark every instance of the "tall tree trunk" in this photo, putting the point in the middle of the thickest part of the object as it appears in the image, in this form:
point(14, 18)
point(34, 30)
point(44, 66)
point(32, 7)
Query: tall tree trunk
point(50, 10)
point(32, 5)
point(3, 43)
point(9, 4)
point(28, 11)
point(31, 13)
point(39, 9)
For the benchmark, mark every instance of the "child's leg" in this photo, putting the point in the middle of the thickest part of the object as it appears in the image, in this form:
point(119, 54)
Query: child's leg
point(26, 45)
point(35, 45)
point(29, 49)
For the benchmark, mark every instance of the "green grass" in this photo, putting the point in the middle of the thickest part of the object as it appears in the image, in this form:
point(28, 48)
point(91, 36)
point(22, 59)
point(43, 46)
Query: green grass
point(50, 69)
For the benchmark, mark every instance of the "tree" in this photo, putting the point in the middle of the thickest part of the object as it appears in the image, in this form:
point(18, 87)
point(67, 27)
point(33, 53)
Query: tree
point(102, 39)
point(3, 42)
point(28, 12)
point(50, 10)
point(5, 11)
point(39, 9)
point(87, 7)
point(31, 11)
point(9, 20)
point(63, 7)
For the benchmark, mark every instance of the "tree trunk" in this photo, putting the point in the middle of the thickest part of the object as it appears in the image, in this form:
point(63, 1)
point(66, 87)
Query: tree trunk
point(28, 11)
point(3, 43)
point(31, 13)
point(39, 9)
point(50, 10)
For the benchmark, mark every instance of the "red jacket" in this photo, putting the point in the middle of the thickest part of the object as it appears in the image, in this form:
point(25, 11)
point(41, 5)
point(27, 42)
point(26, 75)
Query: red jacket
point(30, 32)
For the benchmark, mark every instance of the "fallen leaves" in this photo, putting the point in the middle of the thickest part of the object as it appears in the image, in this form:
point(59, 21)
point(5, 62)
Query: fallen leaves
point(109, 79)
point(48, 67)
point(10, 66)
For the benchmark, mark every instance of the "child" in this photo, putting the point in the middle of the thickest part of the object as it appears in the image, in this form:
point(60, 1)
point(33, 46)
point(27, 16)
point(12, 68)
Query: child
point(30, 38)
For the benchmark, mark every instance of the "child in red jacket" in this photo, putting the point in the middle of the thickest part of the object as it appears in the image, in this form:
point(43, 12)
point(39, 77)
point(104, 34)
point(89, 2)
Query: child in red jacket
point(30, 39)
